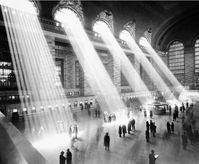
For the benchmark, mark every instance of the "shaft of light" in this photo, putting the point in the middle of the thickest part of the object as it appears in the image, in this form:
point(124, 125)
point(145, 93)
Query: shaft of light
point(177, 86)
point(118, 54)
point(157, 80)
point(21, 5)
point(94, 70)
point(36, 72)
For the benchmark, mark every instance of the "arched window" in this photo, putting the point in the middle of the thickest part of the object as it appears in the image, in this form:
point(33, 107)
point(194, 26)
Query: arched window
point(176, 57)
point(197, 56)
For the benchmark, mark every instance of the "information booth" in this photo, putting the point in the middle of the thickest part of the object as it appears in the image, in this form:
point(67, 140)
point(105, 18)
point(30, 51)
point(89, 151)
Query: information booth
point(158, 108)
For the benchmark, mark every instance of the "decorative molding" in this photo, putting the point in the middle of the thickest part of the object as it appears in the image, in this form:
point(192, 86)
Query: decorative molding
point(130, 27)
point(148, 34)
point(73, 5)
point(37, 6)
point(162, 53)
point(107, 17)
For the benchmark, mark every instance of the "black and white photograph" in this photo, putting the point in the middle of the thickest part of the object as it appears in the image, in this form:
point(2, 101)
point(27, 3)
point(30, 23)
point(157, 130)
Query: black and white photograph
point(99, 82)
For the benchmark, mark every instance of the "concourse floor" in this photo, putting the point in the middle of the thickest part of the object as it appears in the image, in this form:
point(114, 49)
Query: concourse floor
point(133, 149)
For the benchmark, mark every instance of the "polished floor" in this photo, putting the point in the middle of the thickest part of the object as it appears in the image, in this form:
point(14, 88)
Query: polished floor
point(133, 149)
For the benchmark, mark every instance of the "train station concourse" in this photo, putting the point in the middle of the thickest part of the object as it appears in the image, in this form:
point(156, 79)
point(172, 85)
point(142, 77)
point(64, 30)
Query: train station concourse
point(99, 82)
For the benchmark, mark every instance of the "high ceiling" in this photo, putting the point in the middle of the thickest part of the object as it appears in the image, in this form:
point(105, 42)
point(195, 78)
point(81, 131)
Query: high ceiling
point(161, 16)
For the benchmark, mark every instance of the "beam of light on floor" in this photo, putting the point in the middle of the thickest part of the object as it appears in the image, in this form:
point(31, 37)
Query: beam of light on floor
point(95, 72)
point(168, 74)
point(118, 54)
point(43, 100)
point(157, 80)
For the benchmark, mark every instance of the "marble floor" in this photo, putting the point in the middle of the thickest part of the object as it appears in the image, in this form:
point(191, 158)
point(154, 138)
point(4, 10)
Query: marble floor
point(133, 149)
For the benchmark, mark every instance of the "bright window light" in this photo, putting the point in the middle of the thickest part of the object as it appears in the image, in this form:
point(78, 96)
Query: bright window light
point(21, 5)
point(124, 35)
point(100, 27)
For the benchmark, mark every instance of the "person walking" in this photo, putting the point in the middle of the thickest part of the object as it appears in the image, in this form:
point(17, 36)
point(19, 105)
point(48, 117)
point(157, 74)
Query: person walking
point(68, 157)
point(120, 131)
point(106, 141)
point(187, 104)
point(174, 116)
point(169, 110)
point(172, 127)
point(154, 129)
point(147, 135)
point(145, 114)
point(124, 130)
point(133, 124)
point(151, 126)
point(62, 158)
point(129, 127)
point(168, 127)
point(147, 125)
point(152, 157)
point(151, 113)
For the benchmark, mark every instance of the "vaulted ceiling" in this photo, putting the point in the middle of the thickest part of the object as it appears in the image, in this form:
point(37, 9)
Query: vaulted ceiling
point(169, 20)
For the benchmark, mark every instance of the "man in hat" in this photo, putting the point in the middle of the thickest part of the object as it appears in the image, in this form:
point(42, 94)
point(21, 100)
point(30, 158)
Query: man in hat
point(152, 157)
point(68, 157)
point(62, 158)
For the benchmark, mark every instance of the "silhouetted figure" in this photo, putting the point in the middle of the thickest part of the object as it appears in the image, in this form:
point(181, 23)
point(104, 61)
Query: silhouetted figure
point(151, 113)
point(172, 127)
point(147, 125)
point(147, 135)
point(169, 110)
point(174, 116)
point(187, 104)
point(124, 130)
point(154, 129)
point(68, 157)
point(152, 157)
point(168, 128)
point(96, 112)
point(176, 111)
point(145, 114)
point(106, 142)
point(81, 106)
point(120, 131)
point(129, 127)
point(62, 158)
point(151, 126)
point(109, 118)
point(133, 124)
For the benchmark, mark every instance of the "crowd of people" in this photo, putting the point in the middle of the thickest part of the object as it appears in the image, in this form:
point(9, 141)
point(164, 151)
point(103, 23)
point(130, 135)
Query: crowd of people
point(150, 128)
point(182, 112)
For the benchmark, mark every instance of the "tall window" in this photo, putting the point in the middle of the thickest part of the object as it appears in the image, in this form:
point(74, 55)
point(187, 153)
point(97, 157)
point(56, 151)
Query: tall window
point(176, 58)
point(197, 56)
point(77, 74)
point(60, 69)
point(124, 82)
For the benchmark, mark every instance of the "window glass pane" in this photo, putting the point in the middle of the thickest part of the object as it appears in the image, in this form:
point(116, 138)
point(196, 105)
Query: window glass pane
point(197, 55)
point(176, 57)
